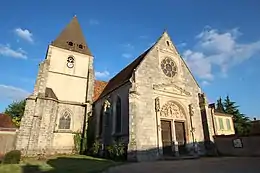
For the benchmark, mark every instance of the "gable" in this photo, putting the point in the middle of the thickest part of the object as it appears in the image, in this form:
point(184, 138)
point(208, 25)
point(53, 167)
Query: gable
point(167, 46)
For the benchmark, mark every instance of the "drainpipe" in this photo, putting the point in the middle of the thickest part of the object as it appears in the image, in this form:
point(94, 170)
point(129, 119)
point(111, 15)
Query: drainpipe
point(157, 109)
point(83, 135)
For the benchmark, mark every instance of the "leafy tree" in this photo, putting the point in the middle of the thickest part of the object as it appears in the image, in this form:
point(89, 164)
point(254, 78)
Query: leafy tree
point(241, 122)
point(220, 106)
point(16, 111)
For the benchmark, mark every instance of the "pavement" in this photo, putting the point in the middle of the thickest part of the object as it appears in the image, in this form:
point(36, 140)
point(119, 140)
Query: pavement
point(201, 165)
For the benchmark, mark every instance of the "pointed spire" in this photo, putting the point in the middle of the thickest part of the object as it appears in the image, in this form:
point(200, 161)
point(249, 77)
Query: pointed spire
point(72, 38)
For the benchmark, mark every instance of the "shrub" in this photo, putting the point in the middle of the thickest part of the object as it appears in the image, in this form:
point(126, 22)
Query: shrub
point(12, 157)
point(116, 151)
point(96, 148)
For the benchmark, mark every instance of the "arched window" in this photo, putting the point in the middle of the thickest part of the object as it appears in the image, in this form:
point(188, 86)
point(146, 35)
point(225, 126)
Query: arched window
point(118, 115)
point(65, 121)
point(101, 121)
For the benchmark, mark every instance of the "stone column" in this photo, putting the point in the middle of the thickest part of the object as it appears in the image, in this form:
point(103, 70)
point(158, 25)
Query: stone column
point(132, 146)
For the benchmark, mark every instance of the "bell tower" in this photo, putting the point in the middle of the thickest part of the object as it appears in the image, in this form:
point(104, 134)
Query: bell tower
point(62, 96)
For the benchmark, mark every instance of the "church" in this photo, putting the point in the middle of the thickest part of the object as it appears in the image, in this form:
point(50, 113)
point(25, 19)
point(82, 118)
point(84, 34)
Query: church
point(154, 105)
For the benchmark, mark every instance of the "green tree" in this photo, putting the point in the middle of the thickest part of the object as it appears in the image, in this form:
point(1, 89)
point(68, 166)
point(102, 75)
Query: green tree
point(220, 106)
point(16, 111)
point(241, 122)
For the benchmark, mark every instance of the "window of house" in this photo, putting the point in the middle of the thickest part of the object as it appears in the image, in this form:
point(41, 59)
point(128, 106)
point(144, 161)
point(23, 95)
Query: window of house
point(101, 121)
point(228, 124)
point(168, 43)
point(118, 115)
point(221, 125)
point(65, 121)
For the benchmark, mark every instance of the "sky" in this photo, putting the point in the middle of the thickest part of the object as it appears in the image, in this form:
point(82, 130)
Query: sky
point(219, 40)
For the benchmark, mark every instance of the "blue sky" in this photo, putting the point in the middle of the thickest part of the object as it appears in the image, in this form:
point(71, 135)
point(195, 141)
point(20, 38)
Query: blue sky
point(219, 40)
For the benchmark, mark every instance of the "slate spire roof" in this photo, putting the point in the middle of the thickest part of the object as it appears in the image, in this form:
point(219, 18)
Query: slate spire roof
point(72, 38)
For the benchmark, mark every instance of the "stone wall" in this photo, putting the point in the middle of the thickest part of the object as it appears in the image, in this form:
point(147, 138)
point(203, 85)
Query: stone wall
point(226, 147)
point(7, 139)
point(109, 131)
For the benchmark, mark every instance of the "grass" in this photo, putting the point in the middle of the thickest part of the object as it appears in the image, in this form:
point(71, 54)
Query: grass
point(59, 164)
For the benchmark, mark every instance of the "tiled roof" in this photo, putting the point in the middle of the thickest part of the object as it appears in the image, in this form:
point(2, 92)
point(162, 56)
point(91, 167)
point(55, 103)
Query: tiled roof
point(98, 88)
point(6, 121)
point(124, 75)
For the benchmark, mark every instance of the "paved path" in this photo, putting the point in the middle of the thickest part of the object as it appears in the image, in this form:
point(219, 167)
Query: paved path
point(202, 165)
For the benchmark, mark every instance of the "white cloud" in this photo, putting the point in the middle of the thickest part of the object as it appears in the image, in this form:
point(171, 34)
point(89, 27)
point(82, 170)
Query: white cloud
point(182, 44)
point(103, 74)
point(204, 83)
point(128, 46)
point(6, 50)
point(94, 22)
point(218, 49)
point(12, 93)
point(127, 55)
point(143, 37)
point(24, 34)
point(151, 44)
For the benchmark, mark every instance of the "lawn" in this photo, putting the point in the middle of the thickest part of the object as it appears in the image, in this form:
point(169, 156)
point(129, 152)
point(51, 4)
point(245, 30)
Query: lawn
point(60, 164)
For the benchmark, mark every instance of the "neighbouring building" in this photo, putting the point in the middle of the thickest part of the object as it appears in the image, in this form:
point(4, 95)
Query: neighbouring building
point(255, 127)
point(154, 105)
point(223, 122)
point(7, 134)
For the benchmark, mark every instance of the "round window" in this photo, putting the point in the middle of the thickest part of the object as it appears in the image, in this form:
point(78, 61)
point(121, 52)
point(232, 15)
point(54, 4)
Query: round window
point(168, 67)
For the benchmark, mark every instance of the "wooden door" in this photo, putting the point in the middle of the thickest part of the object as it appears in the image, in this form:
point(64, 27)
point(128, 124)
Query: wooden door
point(166, 137)
point(180, 136)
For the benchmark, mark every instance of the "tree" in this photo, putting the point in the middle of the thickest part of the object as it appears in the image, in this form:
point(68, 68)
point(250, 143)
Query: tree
point(16, 111)
point(220, 106)
point(241, 122)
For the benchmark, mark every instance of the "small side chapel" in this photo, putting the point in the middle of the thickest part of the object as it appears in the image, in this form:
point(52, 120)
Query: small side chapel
point(154, 105)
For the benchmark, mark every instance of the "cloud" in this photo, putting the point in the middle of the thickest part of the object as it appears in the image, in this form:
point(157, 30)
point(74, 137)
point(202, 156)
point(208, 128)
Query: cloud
point(6, 50)
point(103, 74)
point(182, 44)
point(94, 22)
point(127, 55)
point(151, 44)
point(12, 93)
point(204, 83)
point(143, 37)
point(24, 34)
point(214, 48)
point(128, 46)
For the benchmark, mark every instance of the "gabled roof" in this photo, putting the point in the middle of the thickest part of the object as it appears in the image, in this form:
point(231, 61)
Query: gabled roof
point(124, 75)
point(99, 86)
point(6, 121)
point(72, 38)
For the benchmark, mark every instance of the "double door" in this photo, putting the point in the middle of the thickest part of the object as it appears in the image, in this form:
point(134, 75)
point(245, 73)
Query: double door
point(167, 141)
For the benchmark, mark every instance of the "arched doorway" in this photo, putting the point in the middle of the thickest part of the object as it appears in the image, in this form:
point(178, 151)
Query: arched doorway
point(173, 128)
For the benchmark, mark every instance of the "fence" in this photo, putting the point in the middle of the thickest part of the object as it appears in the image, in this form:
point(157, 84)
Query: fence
point(232, 145)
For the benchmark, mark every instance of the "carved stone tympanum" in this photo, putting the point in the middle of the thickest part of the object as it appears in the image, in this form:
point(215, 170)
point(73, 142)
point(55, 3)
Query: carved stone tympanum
point(172, 110)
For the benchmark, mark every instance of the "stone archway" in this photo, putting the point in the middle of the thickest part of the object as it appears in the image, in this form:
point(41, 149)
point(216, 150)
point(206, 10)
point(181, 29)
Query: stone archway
point(174, 114)
point(172, 110)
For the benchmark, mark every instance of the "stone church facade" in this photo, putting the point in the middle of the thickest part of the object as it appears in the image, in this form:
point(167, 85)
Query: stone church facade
point(154, 105)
